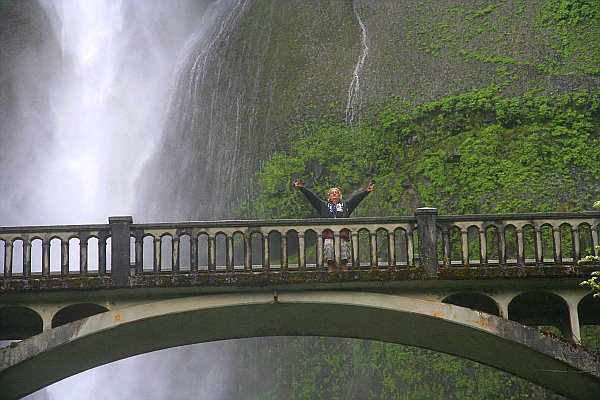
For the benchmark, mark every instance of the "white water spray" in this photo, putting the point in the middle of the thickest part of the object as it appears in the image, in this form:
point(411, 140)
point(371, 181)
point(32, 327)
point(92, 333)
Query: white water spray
point(105, 97)
point(354, 99)
point(87, 124)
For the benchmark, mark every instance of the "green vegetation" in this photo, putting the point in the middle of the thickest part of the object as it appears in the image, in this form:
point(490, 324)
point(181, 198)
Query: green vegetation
point(594, 282)
point(474, 153)
point(577, 26)
point(333, 368)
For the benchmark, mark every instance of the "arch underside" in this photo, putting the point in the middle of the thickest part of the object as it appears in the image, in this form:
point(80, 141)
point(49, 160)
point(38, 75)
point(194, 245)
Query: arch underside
point(117, 334)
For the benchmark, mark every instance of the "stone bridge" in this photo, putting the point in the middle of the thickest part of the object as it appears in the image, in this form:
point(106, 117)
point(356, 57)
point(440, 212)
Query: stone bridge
point(475, 286)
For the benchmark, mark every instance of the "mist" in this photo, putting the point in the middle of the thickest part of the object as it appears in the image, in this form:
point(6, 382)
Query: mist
point(91, 105)
point(88, 114)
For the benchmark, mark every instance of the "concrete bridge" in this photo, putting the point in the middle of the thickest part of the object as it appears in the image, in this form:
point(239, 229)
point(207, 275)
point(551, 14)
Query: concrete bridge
point(475, 286)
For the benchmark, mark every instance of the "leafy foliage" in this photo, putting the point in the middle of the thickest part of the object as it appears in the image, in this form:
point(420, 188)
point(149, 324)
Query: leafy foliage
point(476, 152)
point(328, 368)
point(573, 21)
point(593, 282)
point(471, 153)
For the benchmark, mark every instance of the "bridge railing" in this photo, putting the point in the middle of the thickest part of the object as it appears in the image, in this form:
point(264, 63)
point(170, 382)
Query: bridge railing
point(520, 239)
point(427, 241)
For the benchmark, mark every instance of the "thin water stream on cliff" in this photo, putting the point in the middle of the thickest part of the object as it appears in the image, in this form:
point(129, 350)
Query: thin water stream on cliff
point(354, 99)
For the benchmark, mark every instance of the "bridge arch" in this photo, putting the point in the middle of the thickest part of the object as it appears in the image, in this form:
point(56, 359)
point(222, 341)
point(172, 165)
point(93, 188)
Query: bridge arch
point(588, 310)
point(18, 322)
point(76, 312)
point(475, 301)
point(540, 308)
point(447, 328)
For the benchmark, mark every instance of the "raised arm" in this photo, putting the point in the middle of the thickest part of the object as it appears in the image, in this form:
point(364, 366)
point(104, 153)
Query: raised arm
point(356, 199)
point(314, 200)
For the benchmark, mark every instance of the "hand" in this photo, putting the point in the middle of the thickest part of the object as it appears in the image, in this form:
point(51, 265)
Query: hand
point(370, 187)
point(297, 183)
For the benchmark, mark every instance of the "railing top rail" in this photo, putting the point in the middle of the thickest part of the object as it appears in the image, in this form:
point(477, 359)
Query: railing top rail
point(277, 222)
point(583, 215)
point(307, 222)
point(53, 228)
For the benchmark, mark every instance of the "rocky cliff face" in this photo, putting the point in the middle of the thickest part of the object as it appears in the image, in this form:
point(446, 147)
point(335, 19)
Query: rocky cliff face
point(292, 61)
point(289, 61)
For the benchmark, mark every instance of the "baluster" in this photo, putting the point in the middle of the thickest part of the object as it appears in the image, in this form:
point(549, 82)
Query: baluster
point(175, 253)
point(45, 256)
point(464, 237)
point(212, 253)
point(284, 252)
point(266, 264)
point(301, 252)
point(8, 257)
point(247, 251)
point(26, 257)
point(64, 257)
point(446, 246)
point(576, 249)
point(520, 247)
point(337, 247)
point(157, 254)
point(539, 256)
point(229, 250)
point(139, 253)
point(101, 254)
point(483, 258)
point(194, 253)
point(501, 245)
point(373, 249)
point(557, 248)
point(391, 249)
point(355, 259)
point(410, 249)
point(319, 250)
point(595, 240)
point(83, 255)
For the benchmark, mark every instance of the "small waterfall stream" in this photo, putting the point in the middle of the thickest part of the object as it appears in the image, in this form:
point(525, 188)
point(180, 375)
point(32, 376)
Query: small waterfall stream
point(354, 100)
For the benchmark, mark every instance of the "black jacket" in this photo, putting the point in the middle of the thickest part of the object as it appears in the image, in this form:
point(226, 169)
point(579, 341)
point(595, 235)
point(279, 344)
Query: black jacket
point(327, 209)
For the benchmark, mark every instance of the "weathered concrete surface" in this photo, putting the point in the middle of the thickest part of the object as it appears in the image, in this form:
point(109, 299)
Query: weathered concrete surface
point(523, 351)
point(246, 280)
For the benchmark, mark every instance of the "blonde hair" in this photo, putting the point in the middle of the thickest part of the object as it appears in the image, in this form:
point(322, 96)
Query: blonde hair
point(334, 188)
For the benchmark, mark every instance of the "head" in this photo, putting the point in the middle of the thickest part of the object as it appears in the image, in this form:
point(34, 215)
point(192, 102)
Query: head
point(335, 195)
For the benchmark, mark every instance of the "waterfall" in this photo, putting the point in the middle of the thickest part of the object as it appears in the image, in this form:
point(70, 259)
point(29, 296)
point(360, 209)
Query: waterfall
point(95, 126)
point(197, 184)
point(93, 105)
point(354, 101)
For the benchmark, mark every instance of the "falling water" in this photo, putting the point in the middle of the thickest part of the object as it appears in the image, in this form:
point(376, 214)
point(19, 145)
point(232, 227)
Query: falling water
point(204, 116)
point(95, 126)
point(92, 106)
point(354, 102)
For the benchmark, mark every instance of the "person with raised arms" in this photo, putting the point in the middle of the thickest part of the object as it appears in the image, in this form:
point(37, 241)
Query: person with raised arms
point(334, 207)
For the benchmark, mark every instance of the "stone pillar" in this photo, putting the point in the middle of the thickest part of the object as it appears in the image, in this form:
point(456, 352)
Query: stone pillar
point(574, 319)
point(426, 225)
point(120, 249)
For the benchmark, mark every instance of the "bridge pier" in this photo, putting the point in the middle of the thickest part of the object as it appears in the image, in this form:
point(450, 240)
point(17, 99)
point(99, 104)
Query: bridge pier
point(427, 229)
point(574, 318)
point(120, 228)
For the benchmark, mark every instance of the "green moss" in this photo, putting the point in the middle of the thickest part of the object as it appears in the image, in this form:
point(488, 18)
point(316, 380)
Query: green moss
point(478, 152)
point(334, 368)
